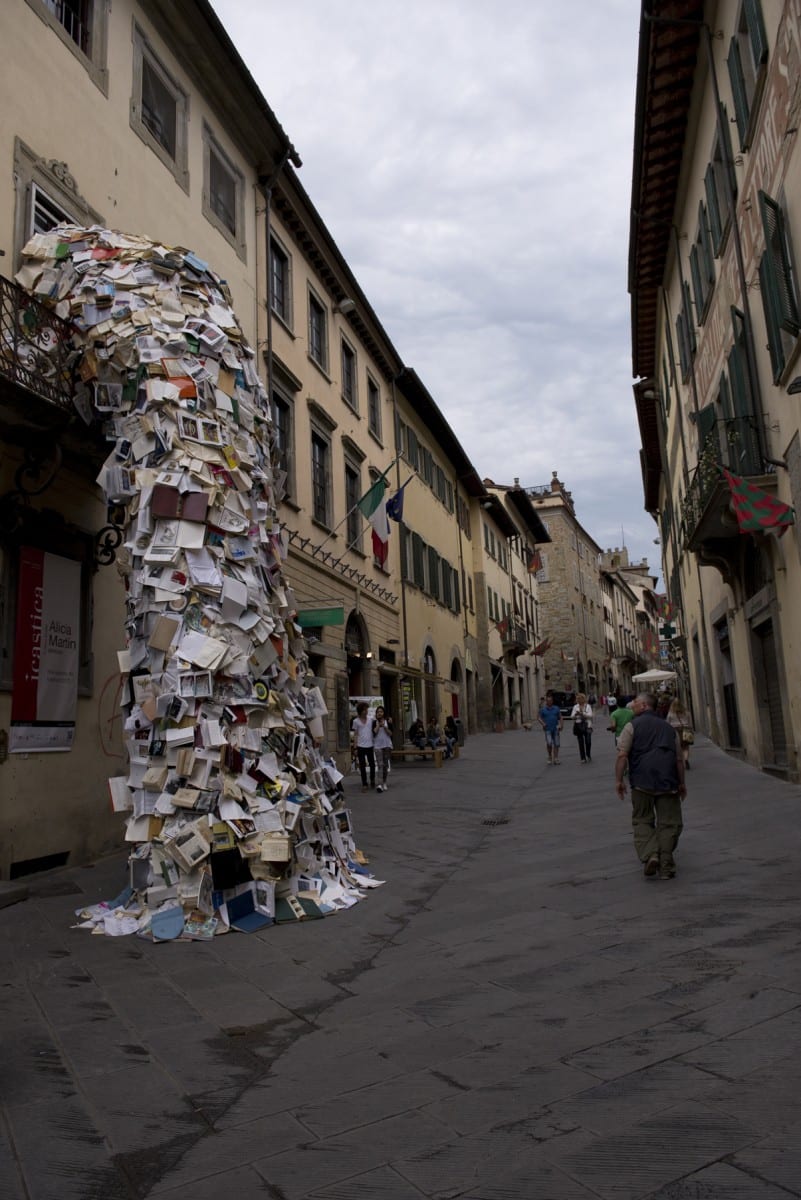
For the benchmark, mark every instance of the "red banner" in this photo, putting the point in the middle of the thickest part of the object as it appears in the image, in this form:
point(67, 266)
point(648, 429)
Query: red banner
point(46, 652)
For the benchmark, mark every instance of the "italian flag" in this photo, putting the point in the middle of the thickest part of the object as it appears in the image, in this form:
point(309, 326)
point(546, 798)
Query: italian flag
point(373, 507)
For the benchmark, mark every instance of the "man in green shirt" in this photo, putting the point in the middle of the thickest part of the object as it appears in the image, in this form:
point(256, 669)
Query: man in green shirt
point(619, 719)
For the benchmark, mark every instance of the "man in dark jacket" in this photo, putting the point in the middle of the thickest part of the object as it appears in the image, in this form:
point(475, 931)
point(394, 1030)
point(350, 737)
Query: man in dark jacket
point(651, 749)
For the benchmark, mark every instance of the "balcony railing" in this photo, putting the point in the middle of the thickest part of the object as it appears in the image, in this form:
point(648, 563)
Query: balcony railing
point(36, 351)
point(706, 514)
point(514, 637)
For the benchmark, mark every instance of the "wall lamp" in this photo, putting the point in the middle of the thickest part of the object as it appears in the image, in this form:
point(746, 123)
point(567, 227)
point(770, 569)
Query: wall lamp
point(345, 305)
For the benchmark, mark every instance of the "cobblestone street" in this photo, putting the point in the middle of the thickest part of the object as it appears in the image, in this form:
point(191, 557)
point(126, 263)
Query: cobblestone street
point(517, 1013)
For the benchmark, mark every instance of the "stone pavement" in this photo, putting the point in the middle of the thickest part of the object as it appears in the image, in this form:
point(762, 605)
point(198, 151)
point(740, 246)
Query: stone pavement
point(517, 1015)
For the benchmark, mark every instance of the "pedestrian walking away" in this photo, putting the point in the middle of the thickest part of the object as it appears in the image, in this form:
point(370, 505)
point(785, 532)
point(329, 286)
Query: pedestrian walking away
point(362, 737)
point(550, 718)
point(680, 719)
point(651, 750)
point(619, 719)
point(581, 716)
point(382, 742)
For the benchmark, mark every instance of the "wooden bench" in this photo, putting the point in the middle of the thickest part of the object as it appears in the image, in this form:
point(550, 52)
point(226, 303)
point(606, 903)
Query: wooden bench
point(437, 753)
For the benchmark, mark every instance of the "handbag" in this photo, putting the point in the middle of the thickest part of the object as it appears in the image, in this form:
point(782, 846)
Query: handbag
point(687, 737)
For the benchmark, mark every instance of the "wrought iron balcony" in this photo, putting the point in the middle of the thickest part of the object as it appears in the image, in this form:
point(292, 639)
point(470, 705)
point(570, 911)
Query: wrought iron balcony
point(514, 638)
point(36, 351)
point(707, 520)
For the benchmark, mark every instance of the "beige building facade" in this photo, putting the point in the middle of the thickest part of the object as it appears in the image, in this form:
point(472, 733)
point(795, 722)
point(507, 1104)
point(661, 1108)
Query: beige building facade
point(571, 603)
point(716, 224)
point(141, 136)
point(158, 129)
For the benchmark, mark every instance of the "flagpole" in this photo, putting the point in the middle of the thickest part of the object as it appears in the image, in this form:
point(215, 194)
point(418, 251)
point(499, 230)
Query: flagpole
point(356, 505)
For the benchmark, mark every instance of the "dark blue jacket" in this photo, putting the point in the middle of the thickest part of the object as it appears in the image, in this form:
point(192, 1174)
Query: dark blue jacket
point(652, 760)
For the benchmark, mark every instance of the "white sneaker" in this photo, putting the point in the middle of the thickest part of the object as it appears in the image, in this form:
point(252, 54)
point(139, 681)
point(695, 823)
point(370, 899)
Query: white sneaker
point(379, 788)
point(386, 786)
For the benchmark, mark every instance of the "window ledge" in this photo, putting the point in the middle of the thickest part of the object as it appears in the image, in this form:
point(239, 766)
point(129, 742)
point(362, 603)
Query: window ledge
point(376, 437)
point(319, 367)
point(352, 408)
point(287, 328)
point(326, 528)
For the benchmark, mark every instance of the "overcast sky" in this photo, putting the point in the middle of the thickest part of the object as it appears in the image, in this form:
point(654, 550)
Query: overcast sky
point(473, 161)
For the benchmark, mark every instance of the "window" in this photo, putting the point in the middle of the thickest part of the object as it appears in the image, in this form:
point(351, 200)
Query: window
point(418, 561)
point(778, 286)
point(702, 265)
point(223, 193)
point(463, 515)
point(447, 585)
point(348, 360)
point(47, 196)
point(82, 27)
point(318, 333)
point(353, 494)
point(280, 280)
point(412, 448)
point(282, 422)
point(426, 465)
point(747, 63)
point(159, 110)
point(720, 182)
point(373, 407)
point(744, 453)
point(433, 573)
point(321, 462)
point(470, 591)
point(685, 333)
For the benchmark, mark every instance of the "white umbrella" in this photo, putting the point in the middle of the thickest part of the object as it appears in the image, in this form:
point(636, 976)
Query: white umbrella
point(654, 676)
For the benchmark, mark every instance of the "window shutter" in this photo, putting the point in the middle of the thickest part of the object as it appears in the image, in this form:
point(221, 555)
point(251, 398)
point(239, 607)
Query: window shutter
point(447, 599)
point(756, 32)
point(739, 93)
point(779, 268)
point(456, 604)
point(707, 255)
point(713, 206)
point(681, 338)
point(707, 422)
point(433, 573)
point(698, 287)
point(418, 564)
point(688, 320)
point(772, 322)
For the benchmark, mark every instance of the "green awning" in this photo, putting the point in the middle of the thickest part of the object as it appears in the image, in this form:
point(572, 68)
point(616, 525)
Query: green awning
point(312, 617)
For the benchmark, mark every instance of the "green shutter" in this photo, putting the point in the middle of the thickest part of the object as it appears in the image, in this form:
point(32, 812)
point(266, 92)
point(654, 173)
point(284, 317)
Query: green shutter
point(688, 317)
point(707, 256)
point(713, 206)
point(779, 266)
point(756, 32)
point(707, 427)
point(456, 605)
point(772, 322)
point(418, 567)
point(741, 110)
point(698, 287)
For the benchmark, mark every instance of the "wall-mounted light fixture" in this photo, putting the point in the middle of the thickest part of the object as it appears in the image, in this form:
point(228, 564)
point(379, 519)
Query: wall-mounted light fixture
point(795, 387)
point(345, 305)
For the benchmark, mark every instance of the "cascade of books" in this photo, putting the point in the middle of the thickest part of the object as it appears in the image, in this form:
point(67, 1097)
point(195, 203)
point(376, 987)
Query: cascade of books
point(234, 817)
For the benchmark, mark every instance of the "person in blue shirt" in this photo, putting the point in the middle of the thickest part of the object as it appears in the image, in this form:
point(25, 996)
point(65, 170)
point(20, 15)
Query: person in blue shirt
point(550, 718)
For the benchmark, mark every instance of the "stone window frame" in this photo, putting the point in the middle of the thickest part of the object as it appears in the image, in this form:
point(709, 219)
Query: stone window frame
point(55, 181)
point(179, 165)
point(236, 237)
point(96, 62)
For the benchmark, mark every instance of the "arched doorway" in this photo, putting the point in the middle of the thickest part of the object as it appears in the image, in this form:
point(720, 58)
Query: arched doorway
point(457, 692)
point(356, 648)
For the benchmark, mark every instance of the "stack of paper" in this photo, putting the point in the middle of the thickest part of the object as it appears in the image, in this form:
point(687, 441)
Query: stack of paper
point(220, 727)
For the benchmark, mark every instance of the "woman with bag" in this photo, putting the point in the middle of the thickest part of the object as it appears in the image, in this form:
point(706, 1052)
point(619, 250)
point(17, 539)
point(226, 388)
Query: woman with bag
point(581, 716)
point(679, 718)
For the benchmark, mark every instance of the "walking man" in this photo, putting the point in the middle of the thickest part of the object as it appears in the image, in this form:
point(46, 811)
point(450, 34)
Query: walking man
point(652, 751)
point(550, 718)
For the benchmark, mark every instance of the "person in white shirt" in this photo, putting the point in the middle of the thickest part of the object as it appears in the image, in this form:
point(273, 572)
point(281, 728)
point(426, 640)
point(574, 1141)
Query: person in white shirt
point(362, 738)
point(382, 740)
point(581, 716)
